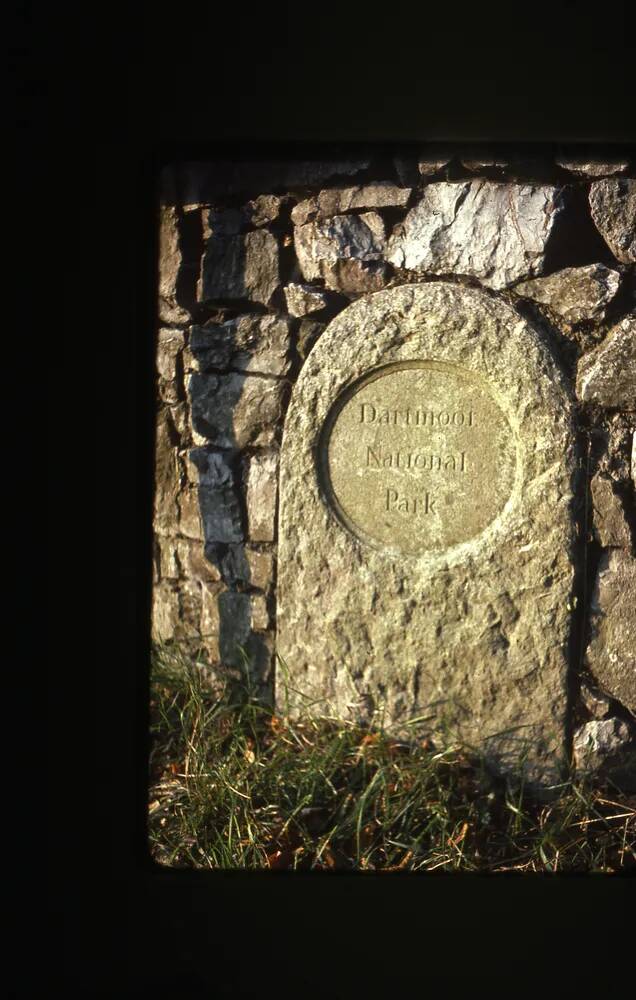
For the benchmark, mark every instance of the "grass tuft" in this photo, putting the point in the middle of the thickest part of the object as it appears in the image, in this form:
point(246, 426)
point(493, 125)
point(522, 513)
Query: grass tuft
point(234, 785)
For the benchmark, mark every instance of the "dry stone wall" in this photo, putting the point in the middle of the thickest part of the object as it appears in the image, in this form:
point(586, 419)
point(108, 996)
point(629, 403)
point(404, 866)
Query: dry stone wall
point(257, 259)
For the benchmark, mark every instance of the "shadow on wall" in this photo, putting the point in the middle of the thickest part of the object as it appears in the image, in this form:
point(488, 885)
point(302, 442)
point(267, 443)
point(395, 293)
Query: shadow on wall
point(228, 615)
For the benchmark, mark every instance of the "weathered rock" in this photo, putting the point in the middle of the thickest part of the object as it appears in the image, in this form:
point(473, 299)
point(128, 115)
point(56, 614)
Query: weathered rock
point(610, 524)
point(433, 159)
point(596, 703)
point(264, 209)
point(189, 514)
point(243, 565)
point(346, 251)
point(303, 299)
point(234, 410)
point(597, 741)
point(251, 343)
point(223, 222)
point(483, 158)
point(165, 612)
point(611, 654)
point(238, 645)
point(262, 491)
point(192, 562)
point(168, 565)
point(335, 201)
point(586, 164)
point(406, 170)
point(240, 267)
point(202, 183)
point(607, 375)
point(495, 232)
point(633, 459)
point(426, 537)
point(167, 474)
point(576, 293)
point(308, 333)
point(259, 613)
point(613, 206)
point(209, 624)
point(170, 264)
point(169, 348)
point(218, 497)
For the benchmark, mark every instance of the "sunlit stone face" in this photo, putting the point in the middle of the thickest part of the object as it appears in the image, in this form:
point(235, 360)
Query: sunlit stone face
point(418, 456)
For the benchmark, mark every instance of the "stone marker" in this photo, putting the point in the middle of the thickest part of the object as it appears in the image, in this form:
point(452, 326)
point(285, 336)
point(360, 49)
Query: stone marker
point(426, 533)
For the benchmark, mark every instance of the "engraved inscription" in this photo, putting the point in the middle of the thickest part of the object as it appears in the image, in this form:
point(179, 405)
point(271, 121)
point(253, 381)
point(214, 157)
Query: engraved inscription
point(418, 456)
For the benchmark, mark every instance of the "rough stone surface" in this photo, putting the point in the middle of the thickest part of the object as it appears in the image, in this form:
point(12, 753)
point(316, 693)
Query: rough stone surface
point(189, 514)
point(586, 165)
point(607, 375)
point(598, 740)
point(262, 490)
point(610, 525)
point(613, 207)
point(481, 158)
point(204, 183)
point(308, 333)
point(472, 637)
point(235, 410)
point(433, 159)
point(218, 497)
point(167, 473)
point(611, 655)
point(244, 565)
point(170, 264)
point(346, 251)
point(303, 299)
point(576, 293)
point(264, 209)
point(495, 232)
point(633, 459)
point(596, 703)
point(250, 343)
point(335, 201)
point(165, 611)
point(240, 267)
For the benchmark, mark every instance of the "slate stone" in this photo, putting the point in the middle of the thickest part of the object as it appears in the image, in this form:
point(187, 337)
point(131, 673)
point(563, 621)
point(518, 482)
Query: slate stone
point(607, 375)
point(495, 232)
point(240, 267)
point(345, 250)
point(233, 411)
point(251, 343)
point(426, 549)
point(613, 207)
point(575, 294)
point(611, 654)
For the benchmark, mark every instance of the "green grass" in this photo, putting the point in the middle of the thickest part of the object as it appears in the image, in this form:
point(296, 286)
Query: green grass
point(233, 785)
